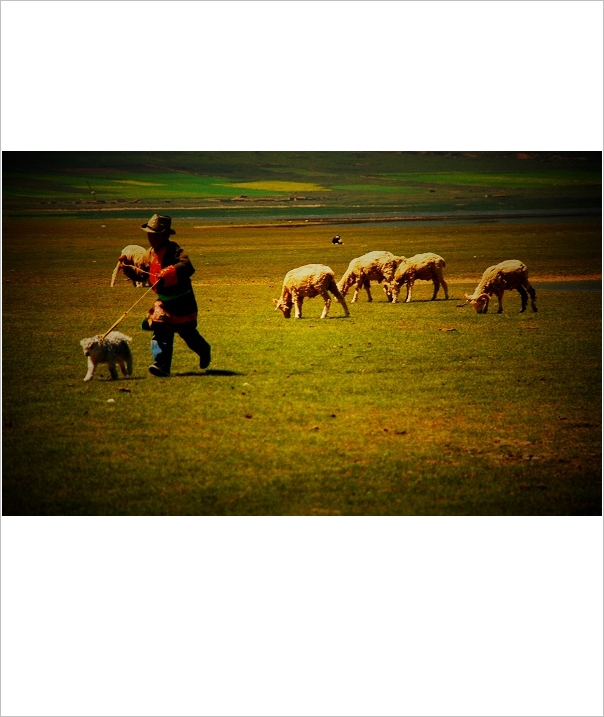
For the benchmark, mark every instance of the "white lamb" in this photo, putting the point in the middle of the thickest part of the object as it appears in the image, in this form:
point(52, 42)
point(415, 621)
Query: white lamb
point(112, 350)
point(426, 267)
point(134, 263)
point(375, 266)
point(507, 275)
point(306, 282)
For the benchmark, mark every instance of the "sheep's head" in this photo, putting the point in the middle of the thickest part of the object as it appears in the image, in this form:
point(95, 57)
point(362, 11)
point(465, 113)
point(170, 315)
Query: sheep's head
point(390, 267)
point(480, 303)
point(284, 307)
point(126, 260)
point(87, 344)
point(402, 272)
point(396, 283)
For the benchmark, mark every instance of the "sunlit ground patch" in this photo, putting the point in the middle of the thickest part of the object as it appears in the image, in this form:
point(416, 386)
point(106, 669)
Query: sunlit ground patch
point(281, 186)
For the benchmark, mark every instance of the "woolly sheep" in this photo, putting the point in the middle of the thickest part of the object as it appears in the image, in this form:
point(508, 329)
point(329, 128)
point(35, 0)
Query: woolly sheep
point(112, 350)
point(507, 275)
point(426, 267)
point(375, 266)
point(134, 263)
point(306, 282)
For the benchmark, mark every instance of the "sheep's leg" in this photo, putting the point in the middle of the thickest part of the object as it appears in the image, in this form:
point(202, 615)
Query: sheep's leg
point(342, 301)
point(344, 285)
point(366, 286)
point(523, 298)
point(533, 295)
point(444, 286)
point(436, 287)
point(395, 289)
point(298, 300)
point(500, 299)
point(125, 366)
point(409, 288)
point(357, 289)
point(113, 370)
point(327, 301)
point(333, 287)
point(387, 290)
point(90, 375)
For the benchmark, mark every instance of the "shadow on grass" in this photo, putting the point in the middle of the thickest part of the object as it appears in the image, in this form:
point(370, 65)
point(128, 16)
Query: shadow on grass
point(431, 301)
point(327, 318)
point(210, 372)
point(117, 381)
point(316, 318)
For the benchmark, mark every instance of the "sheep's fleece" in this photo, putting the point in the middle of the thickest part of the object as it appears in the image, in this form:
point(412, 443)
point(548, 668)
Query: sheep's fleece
point(374, 266)
point(306, 282)
point(112, 350)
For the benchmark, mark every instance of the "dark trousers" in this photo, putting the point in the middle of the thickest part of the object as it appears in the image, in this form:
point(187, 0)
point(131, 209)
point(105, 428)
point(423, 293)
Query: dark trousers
point(162, 343)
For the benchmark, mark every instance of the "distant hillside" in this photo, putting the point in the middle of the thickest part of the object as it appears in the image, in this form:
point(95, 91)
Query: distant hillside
point(259, 164)
point(242, 185)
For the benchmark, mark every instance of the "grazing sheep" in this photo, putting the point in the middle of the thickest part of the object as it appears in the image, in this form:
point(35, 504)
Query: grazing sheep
point(507, 275)
point(427, 267)
point(306, 282)
point(134, 263)
point(375, 266)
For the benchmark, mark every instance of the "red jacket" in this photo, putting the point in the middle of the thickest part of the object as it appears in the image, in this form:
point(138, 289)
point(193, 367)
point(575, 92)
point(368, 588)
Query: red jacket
point(176, 301)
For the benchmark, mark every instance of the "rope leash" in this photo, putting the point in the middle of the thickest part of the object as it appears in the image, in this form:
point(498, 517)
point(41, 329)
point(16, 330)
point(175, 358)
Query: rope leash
point(138, 269)
point(123, 316)
point(142, 271)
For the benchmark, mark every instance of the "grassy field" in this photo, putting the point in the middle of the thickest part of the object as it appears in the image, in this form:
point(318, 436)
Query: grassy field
point(423, 408)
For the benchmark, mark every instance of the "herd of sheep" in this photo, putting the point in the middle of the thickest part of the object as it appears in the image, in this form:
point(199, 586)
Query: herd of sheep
point(385, 268)
point(393, 272)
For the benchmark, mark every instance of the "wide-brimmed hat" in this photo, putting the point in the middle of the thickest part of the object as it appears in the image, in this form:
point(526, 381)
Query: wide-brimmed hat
point(158, 224)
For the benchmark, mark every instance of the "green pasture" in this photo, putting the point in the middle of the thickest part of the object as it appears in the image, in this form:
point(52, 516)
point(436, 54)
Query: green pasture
point(340, 183)
point(152, 187)
point(531, 177)
point(421, 408)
